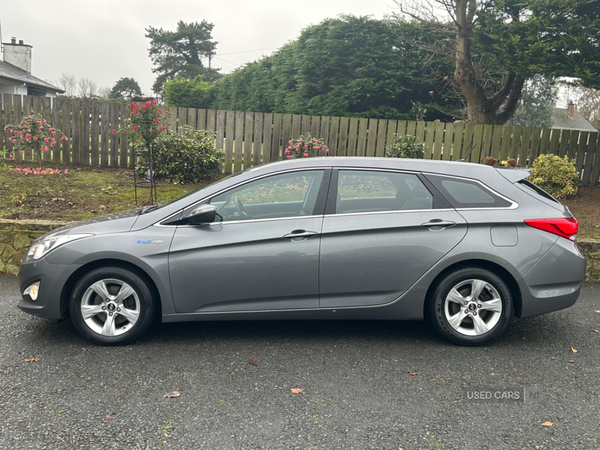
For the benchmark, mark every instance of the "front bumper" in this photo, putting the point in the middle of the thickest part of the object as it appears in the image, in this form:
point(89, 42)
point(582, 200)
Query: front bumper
point(53, 278)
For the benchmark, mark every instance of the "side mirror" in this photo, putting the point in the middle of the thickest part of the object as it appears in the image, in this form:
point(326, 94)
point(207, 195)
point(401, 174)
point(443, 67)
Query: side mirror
point(200, 215)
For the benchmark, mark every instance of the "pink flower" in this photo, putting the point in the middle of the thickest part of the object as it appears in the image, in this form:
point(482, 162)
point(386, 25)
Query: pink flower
point(45, 121)
point(287, 152)
point(21, 137)
point(66, 171)
point(306, 155)
point(114, 132)
point(10, 156)
point(26, 123)
point(40, 128)
point(46, 140)
point(53, 133)
point(39, 122)
point(53, 143)
point(35, 138)
point(21, 152)
point(326, 150)
point(305, 145)
point(45, 149)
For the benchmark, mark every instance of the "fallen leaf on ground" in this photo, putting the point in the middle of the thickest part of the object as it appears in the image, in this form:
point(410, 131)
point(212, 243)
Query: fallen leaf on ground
point(595, 331)
point(547, 424)
point(598, 311)
point(572, 361)
point(172, 394)
point(573, 350)
point(111, 417)
point(412, 374)
point(254, 361)
point(32, 359)
point(296, 391)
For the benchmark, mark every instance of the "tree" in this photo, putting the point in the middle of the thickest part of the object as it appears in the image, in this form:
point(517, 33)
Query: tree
point(536, 106)
point(181, 53)
point(67, 83)
point(87, 88)
point(350, 66)
point(499, 44)
point(588, 105)
point(194, 93)
point(125, 88)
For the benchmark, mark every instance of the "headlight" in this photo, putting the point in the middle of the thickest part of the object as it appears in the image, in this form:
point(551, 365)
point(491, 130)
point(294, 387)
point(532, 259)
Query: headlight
point(42, 247)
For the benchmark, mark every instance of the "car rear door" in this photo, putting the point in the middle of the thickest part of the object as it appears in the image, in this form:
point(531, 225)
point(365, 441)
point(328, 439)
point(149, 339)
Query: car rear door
point(381, 232)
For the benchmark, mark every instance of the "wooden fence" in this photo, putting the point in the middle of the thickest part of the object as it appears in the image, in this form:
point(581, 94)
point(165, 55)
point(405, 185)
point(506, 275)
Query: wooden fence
point(255, 138)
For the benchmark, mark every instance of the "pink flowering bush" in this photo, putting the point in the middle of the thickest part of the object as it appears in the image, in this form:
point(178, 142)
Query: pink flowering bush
point(305, 147)
point(35, 134)
point(144, 123)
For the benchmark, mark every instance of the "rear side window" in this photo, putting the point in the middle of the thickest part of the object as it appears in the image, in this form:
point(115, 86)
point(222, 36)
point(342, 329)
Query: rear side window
point(360, 191)
point(463, 193)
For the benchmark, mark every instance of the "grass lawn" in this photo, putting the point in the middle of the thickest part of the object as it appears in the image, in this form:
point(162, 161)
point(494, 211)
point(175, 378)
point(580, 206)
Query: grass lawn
point(80, 194)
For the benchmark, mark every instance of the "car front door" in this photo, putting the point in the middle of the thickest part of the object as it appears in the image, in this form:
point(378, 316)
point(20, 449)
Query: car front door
point(382, 231)
point(261, 254)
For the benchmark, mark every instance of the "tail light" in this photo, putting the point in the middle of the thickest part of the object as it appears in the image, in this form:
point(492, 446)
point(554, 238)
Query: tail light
point(564, 227)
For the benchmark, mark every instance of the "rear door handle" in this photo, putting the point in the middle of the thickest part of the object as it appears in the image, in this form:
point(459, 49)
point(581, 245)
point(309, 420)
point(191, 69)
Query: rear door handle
point(300, 235)
point(438, 224)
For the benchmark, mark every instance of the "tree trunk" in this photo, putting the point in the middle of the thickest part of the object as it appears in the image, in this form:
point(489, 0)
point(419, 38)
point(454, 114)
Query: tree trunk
point(494, 110)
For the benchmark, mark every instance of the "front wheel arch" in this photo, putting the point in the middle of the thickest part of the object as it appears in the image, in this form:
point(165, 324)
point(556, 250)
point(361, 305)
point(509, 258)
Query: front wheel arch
point(75, 276)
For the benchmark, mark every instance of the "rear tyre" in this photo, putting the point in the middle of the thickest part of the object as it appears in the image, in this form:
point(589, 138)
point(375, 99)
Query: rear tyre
point(111, 306)
point(471, 306)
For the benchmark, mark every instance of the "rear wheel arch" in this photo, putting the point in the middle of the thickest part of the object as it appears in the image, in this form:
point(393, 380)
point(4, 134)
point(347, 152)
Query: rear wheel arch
point(506, 276)
point(75, 276)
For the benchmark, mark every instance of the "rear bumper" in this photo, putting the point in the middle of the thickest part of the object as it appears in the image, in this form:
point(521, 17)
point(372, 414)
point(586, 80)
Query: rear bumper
point(554, 282)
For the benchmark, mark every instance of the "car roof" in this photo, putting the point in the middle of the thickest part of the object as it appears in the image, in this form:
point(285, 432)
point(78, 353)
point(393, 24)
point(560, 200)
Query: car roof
point(456, 168)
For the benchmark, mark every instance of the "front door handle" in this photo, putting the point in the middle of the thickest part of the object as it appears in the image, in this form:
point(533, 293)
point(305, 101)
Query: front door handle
point(300, 235)
point(438, 224)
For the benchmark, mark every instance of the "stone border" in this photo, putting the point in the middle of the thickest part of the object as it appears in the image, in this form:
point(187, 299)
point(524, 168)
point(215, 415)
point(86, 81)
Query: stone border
point(16, 236)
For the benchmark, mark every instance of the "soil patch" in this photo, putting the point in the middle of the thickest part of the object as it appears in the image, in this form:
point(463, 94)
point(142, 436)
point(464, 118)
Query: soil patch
point(585, 206)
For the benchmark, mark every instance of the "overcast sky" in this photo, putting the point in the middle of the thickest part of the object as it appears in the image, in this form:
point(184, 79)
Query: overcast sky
point(105, 40)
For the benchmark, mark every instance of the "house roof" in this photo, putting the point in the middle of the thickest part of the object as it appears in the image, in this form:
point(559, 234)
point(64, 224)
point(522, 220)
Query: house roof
point(14, 73)
point(577, 122)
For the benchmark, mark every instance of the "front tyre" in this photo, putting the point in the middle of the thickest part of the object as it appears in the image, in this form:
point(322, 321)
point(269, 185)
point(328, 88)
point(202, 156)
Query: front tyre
point(111, 306)
point(471, 306)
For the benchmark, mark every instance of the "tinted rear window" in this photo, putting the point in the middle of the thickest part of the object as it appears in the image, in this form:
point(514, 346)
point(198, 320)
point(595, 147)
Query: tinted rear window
point(463, 193)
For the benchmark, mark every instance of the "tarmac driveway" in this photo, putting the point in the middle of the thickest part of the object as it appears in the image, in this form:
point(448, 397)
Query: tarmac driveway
point(301, 385)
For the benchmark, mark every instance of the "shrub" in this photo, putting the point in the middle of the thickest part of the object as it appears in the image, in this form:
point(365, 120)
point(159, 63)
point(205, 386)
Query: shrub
point(305, 147)
point(189, 156)
point(558, 176)
point(405, 146)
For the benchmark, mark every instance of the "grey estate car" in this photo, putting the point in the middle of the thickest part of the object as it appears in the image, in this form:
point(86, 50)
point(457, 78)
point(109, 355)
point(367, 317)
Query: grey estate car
point(464, 245)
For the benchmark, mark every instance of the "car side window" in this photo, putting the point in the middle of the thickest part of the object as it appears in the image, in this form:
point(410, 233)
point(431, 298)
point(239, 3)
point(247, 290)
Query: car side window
point(373, 191)
point(278, 196)
point(463, 193)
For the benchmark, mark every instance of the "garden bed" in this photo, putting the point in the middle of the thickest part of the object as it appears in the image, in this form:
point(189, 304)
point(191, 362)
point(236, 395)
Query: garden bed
point(80, 193)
